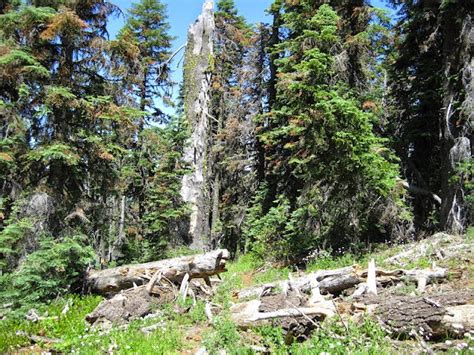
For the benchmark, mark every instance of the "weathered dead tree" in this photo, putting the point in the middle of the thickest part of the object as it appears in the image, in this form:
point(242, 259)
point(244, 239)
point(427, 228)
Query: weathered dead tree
point(111, 281)
point(334, 280)
point(294, 312)
point(299, 301)
point(197, 85)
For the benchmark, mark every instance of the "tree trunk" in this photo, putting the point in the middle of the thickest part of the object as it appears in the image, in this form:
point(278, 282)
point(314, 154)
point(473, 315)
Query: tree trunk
point(116, 247)
point(111, 281)
point(455, 125)
point(197, 80)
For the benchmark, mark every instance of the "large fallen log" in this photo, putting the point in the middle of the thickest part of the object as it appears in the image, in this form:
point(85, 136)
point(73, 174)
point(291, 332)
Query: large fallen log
point(297, 315)
point(427, 317)
point(111, 281)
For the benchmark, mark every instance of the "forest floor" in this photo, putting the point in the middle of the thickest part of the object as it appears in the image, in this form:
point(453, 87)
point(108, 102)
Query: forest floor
point(184, 328)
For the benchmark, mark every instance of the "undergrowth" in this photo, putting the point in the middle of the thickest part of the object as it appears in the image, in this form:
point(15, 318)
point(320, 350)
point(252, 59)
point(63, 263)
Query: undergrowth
point(180, 318)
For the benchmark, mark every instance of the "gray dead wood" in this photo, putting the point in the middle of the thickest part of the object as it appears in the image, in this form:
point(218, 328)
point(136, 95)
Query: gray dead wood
point(111, 281)
point(124, 307)
point(338, 280)
point(329, 281)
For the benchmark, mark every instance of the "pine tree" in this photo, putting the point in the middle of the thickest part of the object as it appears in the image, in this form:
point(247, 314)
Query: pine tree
point(147, 31)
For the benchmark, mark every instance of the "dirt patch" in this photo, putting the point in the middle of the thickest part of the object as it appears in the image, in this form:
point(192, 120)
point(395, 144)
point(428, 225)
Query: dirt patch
point(247, 279)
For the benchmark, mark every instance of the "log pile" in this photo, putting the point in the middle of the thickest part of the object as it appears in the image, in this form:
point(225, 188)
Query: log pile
point(368, 293)
point(338, 280)
point(298, 304)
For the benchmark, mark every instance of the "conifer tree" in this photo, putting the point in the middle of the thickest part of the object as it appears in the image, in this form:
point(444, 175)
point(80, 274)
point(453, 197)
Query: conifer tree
point(236, 100)
point(433, 100)
point(329, 168)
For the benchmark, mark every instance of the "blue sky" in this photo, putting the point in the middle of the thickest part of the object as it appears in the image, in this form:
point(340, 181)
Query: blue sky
point(181, 13)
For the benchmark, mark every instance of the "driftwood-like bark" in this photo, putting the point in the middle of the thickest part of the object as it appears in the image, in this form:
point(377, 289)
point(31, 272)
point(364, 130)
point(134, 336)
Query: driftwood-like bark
point(38, 338)
point(292, 311)
point(111, 281)
point(126, 306)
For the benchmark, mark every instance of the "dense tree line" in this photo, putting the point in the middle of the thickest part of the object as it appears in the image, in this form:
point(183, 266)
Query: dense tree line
point(332, 127)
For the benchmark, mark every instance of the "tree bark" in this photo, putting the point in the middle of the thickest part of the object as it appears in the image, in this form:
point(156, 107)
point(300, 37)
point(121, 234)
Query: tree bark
point(429, 317)
point(456, 131)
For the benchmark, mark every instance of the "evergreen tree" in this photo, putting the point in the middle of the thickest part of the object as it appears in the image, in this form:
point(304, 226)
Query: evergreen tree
point(147, 73)
point(236, 100)
point(433, 95)
point(329, 168)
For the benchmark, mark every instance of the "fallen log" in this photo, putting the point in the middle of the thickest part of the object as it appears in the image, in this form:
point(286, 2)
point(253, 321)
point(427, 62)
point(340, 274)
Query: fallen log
point(110, 281)
point(330, 281)
point(293, 312)
point(126, 306)
point(338, 280)
point(37, 338)
point(428, 317)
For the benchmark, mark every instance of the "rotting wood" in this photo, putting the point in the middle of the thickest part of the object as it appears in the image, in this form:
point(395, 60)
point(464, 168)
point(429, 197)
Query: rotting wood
point(123, 307)
point(155, 279)
point(430, 318)
point(111, 281)
point(247, 314)
point(183, 290)
point(303, 283)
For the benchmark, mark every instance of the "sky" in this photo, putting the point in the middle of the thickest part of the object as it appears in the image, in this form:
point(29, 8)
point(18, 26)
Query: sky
point(181, 13)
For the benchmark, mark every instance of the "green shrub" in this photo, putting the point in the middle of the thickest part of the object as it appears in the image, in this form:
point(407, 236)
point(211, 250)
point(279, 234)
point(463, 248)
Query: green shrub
point(53, 270)
point(264, 229)
point(9, 237)
point(224, 336)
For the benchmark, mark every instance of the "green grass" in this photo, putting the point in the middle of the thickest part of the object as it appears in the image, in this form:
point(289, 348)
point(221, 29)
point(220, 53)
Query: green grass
point(332, 338)
point(271, 274)
point(326, 261)
point(470, 234)
point(77, 336)
point(223, 336)
point(68, 327)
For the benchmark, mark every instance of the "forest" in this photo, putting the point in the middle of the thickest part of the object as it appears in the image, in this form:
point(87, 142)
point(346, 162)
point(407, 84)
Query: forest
point(321, 163)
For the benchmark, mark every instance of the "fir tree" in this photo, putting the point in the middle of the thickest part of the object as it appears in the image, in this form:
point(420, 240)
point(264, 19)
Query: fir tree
point(328, 166)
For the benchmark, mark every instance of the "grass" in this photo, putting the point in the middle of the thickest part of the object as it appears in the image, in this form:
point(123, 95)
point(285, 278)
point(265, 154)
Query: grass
point(68, 327)
point(78, 337)
point(331, 338)
point(326, 261)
